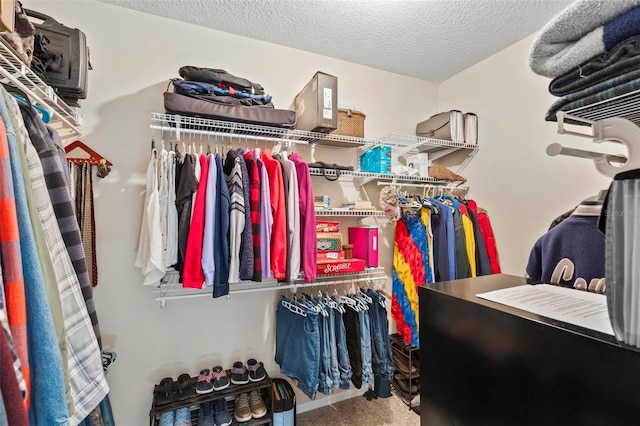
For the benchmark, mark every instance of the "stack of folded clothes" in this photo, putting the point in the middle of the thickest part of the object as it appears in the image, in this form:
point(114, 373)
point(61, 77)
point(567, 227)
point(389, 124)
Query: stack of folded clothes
point(219, 95)
point(592, 51)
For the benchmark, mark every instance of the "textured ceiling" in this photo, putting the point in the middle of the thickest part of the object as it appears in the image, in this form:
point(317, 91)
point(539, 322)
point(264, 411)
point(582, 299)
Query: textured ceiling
point(428, 39)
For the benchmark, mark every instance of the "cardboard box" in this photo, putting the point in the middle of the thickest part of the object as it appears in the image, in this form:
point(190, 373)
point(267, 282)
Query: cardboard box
point(317, 104)
point(331, 255)
point(327, 226)
point(7, 15)
point(343, 266)
point(365, 244)
point(328, 241)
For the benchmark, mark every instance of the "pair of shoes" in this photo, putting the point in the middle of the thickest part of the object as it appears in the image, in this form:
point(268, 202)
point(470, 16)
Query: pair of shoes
point(405, 385)
point(256, 370)
point(167, 418)
point(210, 380)
point(169, 391)
point(214, 413)
point(241, 375)
point(401, 362)
point(249, 406)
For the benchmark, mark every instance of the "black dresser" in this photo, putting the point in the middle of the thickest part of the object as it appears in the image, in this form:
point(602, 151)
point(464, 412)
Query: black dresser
point(483, 363)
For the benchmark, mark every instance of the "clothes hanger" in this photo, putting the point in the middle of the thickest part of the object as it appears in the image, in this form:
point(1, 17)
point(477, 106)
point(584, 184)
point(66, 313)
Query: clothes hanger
point(293, 308)
point(94, 158)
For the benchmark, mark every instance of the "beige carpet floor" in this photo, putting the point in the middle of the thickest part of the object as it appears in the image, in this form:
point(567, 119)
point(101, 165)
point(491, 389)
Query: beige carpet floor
point(358, 411)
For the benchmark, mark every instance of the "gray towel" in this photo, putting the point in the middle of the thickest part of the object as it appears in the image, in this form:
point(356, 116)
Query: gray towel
point(575, 35)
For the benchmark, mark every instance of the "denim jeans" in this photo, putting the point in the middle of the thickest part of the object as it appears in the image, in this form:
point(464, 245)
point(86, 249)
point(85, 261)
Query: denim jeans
point(298, 348)
point(325, 381)
point(365, 337)
point(381, 358)
point(344, 366)
point(333, 349)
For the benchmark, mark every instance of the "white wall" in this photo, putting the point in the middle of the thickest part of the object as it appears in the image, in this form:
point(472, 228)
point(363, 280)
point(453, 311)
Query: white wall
point(133, 56)
point(522, 187)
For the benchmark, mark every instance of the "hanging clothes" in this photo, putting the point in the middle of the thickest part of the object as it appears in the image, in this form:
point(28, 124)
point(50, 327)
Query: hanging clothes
point(293, 217)
point(149, 257)
point(11, 396)
point(87, 223)
point(279, 228)
point(221, 244)
point(184, 195)
point(246, 239)
point(308, 244)
point(255, 205)
point(87, 382)
point(192, 276)
point(208, 238)
point(47, 402)
point(233, 177)
point(489, 240)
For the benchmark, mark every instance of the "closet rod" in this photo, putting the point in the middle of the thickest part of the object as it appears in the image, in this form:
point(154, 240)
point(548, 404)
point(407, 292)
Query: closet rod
point(227, 135)
point(294, 287)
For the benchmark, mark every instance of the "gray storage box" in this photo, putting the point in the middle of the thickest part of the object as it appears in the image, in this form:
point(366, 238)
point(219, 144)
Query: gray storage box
point(317, 104)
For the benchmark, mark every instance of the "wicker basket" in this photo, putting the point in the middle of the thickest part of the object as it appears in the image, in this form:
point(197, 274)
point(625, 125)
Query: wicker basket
point(350, 123)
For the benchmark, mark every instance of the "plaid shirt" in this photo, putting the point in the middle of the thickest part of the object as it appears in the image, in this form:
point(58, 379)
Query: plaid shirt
point(88, 384)
point(11, 259)
point(5, 324)
point(254, 203)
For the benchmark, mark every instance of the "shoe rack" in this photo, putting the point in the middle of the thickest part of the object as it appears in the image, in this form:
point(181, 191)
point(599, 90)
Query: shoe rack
point(406, 378)
point(264, 386)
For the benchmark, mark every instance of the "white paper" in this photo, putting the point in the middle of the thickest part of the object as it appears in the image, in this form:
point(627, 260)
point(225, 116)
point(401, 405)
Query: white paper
point(588, 310)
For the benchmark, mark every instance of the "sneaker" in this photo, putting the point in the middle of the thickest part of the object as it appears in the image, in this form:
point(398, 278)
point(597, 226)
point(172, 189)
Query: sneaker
point(183, 417)
point(242, 412)
point(220, 378)
point(167, 418)
point(205, 415)
point(205, 384)
point(256, 370)
point(258, 408)
point(239, 374)
point(221, 410)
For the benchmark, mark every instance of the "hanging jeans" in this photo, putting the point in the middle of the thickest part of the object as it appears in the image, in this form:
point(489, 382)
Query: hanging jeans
point(298, 347)
point(325, 378)
point(354, 344)
point(381, 358)
point(365, 339)
point(333, 347)
point(344, 365)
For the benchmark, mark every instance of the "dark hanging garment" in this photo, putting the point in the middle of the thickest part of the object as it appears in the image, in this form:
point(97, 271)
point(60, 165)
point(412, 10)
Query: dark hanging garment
point(184, 193)
point(463, 268)
point(354, 344)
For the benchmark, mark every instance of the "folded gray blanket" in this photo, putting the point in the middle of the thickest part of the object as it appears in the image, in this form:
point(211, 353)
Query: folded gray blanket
point(606, 90)
point(586, 28)
point(623, 58)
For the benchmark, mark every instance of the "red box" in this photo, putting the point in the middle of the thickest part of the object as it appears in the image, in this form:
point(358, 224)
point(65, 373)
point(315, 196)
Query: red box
point(327, 226)
point(365, 244)
point(342, 266)
point(331, 255)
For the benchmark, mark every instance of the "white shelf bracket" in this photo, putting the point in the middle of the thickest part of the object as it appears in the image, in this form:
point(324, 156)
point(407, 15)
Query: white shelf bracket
point(614, 129)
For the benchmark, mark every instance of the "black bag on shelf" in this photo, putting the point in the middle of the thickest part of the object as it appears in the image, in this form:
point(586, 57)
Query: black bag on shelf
point(175, 103)
point(216, 76)
point(61, 57)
